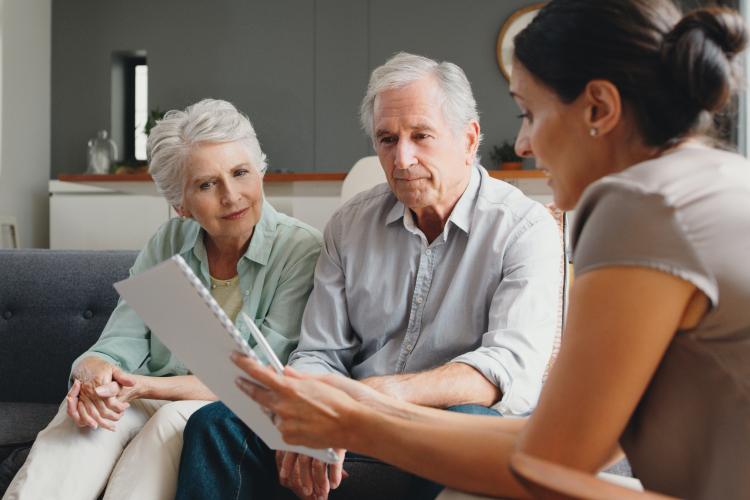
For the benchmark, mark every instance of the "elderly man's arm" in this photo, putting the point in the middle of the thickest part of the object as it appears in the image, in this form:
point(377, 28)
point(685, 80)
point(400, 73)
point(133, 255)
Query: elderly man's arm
point(506, 371)
point(327, 342)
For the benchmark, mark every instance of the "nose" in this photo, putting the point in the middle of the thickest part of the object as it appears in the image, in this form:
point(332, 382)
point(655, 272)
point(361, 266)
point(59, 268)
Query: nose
point(523, 144)
point(229, 194)
point(405, 154)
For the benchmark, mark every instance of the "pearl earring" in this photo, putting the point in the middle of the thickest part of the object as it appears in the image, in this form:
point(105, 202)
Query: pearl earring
point(592, 132)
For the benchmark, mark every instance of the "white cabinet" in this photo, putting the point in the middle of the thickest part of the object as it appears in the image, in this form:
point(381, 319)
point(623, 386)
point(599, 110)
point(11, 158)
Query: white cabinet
point(95, 218)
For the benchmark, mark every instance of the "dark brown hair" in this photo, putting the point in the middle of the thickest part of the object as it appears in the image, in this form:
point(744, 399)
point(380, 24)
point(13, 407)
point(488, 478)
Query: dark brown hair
point(672, 72)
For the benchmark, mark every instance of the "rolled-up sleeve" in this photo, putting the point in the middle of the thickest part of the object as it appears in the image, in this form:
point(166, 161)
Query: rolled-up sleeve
point(523, 318)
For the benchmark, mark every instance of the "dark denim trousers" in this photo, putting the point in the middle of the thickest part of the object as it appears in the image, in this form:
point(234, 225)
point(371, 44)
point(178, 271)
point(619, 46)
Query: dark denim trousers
point(222, 459)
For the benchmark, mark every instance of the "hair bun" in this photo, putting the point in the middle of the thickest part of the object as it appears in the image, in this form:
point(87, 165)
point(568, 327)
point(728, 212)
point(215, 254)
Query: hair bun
point(699, 54)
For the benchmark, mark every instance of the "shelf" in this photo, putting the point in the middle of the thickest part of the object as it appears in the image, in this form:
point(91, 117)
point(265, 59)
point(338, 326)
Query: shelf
point(96, 178)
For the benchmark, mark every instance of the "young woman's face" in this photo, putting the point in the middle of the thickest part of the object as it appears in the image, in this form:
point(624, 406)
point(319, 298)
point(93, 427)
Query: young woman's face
point(555, 134)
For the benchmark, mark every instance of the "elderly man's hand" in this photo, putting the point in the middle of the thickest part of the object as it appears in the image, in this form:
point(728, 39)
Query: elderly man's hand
point(309, 478)
point(85, 405)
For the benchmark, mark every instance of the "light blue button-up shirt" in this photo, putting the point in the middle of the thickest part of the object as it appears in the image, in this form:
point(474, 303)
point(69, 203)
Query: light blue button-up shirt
point(276, 275)
point(484, 293)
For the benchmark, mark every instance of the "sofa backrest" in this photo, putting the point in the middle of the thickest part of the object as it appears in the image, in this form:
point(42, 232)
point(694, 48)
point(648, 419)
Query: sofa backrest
point(53, 307)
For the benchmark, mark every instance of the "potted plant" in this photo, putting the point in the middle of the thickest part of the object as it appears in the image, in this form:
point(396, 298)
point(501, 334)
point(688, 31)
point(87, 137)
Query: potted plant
point(505, 156)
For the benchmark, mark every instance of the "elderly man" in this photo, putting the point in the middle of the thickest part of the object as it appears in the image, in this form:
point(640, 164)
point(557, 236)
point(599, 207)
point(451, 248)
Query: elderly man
point(439, 288)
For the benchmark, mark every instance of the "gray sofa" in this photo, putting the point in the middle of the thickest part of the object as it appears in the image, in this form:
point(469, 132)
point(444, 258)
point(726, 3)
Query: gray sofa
point(53, 306)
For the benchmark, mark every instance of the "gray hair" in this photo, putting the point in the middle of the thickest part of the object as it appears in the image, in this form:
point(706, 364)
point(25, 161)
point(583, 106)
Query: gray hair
point(404, 69)
point(175, 136)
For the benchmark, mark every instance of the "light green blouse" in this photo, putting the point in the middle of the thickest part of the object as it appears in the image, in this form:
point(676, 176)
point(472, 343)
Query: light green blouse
point(276, 277)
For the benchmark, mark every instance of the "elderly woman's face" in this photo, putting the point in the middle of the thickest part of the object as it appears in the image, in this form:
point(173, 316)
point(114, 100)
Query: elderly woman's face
point(223, 191)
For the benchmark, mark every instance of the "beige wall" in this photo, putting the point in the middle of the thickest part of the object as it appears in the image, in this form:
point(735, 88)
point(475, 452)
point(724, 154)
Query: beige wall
point(25, 35)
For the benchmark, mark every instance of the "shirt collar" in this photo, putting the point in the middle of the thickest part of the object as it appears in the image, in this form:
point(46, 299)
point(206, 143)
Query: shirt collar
point(461, 215)
point(261, 242)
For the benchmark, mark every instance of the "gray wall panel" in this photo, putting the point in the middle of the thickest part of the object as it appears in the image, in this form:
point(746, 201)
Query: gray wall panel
point(341, 75)
point(297, 68)
point(464, 33)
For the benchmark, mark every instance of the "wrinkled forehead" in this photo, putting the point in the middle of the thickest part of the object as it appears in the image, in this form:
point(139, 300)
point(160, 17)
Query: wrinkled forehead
point(418, 98)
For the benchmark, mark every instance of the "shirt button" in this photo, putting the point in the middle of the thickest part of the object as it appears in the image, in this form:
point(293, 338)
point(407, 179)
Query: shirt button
point(247, 292)
point(409, 347)
point(428, 251)
point(242, 328)
point(420, 300)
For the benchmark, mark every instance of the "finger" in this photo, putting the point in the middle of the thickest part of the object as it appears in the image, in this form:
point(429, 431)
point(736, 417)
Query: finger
point(116, 405)
point(75, 389)
point(336, 470)
point(109, 390)
point(123, 378)
point(305, 474)
point(106, 416)
point(287, 464)
point(321, 484)
point(86, 419)
point(258, 394)
point(269, 378)
point(94, 413)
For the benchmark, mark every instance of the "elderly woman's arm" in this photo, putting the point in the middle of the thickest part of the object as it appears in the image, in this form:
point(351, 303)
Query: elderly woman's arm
point(620, 323)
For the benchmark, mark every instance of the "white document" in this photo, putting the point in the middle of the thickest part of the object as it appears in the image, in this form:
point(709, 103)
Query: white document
point(181, 313)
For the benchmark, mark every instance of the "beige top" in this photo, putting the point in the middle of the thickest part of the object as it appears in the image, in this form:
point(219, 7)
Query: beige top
point(228, 294)
point(688, 214)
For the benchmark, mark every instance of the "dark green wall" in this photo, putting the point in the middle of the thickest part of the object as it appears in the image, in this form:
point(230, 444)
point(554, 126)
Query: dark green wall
point(297, 68)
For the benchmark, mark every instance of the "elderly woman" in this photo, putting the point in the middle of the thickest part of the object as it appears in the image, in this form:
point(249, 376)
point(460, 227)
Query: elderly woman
point(616, 97)
point(121, 424)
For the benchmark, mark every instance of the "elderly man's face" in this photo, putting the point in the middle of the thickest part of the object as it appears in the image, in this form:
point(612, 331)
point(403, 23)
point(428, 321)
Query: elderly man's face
point(223, 191)
point(425, 164)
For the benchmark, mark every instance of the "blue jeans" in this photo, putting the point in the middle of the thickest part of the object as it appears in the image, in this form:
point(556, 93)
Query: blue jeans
point(222, 458)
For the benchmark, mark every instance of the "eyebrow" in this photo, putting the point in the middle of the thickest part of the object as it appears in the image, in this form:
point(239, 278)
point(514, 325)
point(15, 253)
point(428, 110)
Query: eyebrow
point(415, 127)
point(204, 178)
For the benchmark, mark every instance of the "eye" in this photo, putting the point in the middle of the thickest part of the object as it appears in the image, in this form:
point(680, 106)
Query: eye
point(421, 136)
point(525, 115)
point(240, 172)
point(387, 140)
point(206, 185)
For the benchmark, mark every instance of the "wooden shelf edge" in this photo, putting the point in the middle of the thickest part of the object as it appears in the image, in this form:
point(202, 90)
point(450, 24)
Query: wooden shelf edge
point(332, 176)
point(147, 178)
point(517, 174)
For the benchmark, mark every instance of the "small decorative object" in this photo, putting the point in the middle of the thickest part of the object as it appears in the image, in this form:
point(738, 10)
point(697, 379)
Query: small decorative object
point(505, 156)
point(513, 26)
point(102, 152)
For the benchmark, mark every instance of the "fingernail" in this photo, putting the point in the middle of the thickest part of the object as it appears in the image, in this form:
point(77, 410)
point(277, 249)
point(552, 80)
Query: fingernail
point(234, 356)
point(305, 491)
point(321, 498)
point(282, 472)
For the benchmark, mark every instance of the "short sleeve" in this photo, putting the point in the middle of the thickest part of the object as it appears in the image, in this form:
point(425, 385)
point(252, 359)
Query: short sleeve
point(619, 224)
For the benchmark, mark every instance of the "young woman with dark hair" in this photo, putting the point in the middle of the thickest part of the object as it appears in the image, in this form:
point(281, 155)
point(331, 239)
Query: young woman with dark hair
point(617, 97)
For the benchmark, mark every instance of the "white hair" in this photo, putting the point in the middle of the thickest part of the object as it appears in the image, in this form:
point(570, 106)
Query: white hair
point(403, 69)
point(175, 136)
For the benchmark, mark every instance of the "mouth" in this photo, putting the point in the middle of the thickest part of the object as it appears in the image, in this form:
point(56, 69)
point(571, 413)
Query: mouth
point(236, 215)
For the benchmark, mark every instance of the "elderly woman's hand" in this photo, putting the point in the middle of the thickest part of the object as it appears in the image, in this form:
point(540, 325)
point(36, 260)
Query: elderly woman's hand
point(86, 406)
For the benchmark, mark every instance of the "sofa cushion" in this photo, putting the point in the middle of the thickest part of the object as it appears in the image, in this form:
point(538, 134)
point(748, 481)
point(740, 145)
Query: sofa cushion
point(21, 422)
point(53, 306)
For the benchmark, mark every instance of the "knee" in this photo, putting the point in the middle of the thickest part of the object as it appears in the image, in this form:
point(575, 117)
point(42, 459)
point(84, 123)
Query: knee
point(211, 421)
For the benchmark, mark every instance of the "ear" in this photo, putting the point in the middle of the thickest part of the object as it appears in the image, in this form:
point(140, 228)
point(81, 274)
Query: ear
point(471, 141)
point(185, 214)
point(604, 106)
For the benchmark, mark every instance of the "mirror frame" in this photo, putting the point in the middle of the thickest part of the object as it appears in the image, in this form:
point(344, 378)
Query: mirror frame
point(500, 39)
